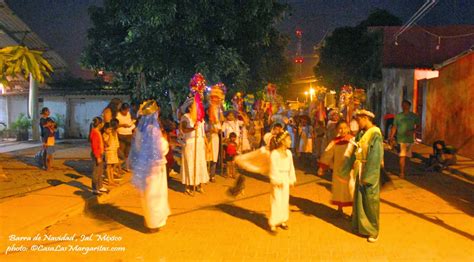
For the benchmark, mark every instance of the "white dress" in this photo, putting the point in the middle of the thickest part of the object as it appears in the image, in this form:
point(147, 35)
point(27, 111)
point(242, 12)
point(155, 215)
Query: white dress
point(187, 161)
point(215, 143)
point(155, 197)
point(245, 140)
point(282, 172)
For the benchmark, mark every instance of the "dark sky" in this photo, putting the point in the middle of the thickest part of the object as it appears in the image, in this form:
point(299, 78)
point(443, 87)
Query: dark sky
point(62, 24)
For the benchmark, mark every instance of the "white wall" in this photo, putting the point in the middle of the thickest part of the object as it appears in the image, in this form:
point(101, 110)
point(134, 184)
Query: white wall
point(78, 110)
point(394, 79)
point(3, 109)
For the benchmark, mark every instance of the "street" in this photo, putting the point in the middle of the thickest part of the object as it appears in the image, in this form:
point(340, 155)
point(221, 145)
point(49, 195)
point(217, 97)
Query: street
point(426, 217)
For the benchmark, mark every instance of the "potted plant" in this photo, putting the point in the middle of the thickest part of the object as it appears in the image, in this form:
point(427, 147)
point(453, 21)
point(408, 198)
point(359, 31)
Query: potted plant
point(21, 126)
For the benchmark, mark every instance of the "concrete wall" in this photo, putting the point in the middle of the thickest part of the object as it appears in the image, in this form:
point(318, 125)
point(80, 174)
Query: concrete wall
point(385, 97)
point(450, 107)
point(77, 111)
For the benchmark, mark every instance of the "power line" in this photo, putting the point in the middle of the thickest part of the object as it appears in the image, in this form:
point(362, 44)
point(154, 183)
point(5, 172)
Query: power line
point(427, 6)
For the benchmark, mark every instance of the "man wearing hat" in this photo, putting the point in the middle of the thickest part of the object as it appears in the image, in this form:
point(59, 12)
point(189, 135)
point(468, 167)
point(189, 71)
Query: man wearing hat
point(365, 157)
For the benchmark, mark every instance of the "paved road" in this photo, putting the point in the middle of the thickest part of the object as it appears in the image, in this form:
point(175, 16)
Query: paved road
point(429, 216)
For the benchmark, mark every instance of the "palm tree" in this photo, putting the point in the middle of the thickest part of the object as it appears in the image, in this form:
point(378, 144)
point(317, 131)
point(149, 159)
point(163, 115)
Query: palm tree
point(21, 61)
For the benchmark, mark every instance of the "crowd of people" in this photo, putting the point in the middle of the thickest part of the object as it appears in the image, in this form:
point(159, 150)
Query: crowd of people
point(222, 143)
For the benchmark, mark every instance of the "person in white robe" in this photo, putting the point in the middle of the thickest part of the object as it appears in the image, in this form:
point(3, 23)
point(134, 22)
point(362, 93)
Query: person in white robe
point(148, 165)
point(282, 176)
point(201, 176)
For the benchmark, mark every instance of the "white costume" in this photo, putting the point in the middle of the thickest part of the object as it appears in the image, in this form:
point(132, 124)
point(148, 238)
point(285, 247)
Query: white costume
point(155, 197)
point(148, 164)
point(282, 175)
point(232, 126)
point(187, 162)
point(245, 140)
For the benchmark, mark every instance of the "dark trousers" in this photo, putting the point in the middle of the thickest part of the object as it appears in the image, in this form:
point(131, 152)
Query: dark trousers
point(97, 172)
point(213, 169)
point(125, 144)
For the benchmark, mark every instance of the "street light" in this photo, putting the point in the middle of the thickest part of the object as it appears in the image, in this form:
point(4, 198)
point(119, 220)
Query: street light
point(311, 94)
point(306, 96)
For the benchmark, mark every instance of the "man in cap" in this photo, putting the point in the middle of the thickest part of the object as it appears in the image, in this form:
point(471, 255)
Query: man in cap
point(365, 157)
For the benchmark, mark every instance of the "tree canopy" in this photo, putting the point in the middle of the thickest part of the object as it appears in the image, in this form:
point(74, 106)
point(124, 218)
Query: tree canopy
point(352, 55)
point(156, 46)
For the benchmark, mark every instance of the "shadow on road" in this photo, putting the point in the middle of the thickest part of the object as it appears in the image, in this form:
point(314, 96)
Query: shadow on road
point(258, 219)
point(322, 212)
point(83, 167)
point(434, 220)
point(113, 213)
point(175, 185)
point(457, 192)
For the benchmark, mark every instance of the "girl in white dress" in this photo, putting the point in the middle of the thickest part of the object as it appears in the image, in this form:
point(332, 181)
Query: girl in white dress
point(282, 176)
point(148, 164)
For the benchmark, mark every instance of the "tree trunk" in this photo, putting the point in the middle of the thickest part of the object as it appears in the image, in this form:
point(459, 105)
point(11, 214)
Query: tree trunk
point(33, 108)
point(174, 107)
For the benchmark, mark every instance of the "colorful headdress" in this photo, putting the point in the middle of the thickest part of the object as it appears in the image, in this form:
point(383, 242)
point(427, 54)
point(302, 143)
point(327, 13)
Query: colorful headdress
point(197, 83)
point(218, 90)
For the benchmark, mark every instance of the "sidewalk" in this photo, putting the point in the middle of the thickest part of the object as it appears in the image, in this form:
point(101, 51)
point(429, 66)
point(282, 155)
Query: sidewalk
point(464, 167)
point(32, 199)
point(28, 214)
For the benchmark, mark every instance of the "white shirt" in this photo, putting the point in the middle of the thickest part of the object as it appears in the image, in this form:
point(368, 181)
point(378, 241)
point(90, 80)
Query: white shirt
point(232, 126)
point(125, 120)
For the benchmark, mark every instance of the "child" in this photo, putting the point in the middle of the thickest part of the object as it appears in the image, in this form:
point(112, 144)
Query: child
point(118, 172)
point(333, 157)
point(48, 143)
point(282, 175)
point(231, 152)
point(97, 146)
point(306, 141)
point(111, 144)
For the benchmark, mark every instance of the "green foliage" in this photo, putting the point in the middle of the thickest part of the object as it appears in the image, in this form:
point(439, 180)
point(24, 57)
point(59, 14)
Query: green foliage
point(22, 123)
point(352, 55)
point(20, 60)
point(157, 46)
point(59, 119)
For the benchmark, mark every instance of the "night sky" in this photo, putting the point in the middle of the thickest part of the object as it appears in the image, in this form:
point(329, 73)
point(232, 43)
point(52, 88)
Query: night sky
point(63, 24)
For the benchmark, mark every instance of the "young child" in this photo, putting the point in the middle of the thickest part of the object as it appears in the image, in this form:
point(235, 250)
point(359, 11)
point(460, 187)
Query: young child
point(111, 145)
point(305, 149)
point(48, 143)
point(282, 175)
point(333, 157)
point(97, 147)
point(231, 152)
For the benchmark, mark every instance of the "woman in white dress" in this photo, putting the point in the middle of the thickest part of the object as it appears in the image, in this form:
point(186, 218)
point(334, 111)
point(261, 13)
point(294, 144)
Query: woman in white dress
point(282, 176)
point(148, 165)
